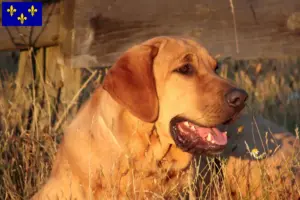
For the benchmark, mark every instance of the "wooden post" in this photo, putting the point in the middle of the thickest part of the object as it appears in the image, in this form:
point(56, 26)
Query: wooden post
point(52, 83)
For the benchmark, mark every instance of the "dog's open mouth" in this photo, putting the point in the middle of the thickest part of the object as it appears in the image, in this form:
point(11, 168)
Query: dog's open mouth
point(193, 138)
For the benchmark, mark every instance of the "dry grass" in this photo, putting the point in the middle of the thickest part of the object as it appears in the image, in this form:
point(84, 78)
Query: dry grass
point(28, 141)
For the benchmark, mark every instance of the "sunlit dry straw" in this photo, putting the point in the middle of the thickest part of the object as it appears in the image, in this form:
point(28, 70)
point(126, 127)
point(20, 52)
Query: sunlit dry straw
point(234, 25)
point(73, 101)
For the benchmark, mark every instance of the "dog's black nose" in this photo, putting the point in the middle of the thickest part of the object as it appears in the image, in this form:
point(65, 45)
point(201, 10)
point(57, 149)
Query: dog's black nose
point(236, 97)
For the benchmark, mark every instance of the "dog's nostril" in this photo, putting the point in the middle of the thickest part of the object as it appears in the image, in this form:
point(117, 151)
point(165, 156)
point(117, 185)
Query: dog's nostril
point(236, 97)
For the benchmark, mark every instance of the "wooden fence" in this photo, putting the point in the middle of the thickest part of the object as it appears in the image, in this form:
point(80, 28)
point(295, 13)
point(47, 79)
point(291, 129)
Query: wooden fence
point(241, 29)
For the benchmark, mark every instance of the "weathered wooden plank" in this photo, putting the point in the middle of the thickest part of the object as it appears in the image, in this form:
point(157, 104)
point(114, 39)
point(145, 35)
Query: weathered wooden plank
point(265, 28)
point(12, 38)
point(66, 24)
point(56, 85)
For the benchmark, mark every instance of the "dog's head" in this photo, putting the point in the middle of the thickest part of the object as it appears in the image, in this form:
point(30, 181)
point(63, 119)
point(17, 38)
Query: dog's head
point(172, 82)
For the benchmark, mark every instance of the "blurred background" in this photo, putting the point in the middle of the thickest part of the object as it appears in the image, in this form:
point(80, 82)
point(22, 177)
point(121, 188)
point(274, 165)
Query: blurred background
point(47, 72)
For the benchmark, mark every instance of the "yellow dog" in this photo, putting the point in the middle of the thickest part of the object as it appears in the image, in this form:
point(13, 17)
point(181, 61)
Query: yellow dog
point(159, 105)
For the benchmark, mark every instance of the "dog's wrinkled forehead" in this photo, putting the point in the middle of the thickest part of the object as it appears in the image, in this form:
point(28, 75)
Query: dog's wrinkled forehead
point(175, 48)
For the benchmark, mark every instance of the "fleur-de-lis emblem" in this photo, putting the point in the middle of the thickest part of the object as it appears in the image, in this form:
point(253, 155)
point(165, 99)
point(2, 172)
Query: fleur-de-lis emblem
point(22, 18)
point(11, 10)
point(32, 10)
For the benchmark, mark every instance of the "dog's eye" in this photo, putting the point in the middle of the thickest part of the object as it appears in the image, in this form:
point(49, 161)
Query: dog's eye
point(186, 69)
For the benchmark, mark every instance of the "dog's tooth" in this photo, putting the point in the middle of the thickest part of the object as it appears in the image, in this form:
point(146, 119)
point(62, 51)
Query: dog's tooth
point(225, 133)
point(186, 123)
point(193, 128)
point(180, 129)
point(191, 124)
point(208, 137)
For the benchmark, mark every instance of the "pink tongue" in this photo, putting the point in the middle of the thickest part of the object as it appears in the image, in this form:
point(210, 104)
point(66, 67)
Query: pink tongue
point(210, 135)
point(216, 135)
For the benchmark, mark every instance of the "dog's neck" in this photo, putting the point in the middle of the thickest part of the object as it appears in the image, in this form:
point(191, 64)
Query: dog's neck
point(125, 131)
point(123, 142)
point(146, 132)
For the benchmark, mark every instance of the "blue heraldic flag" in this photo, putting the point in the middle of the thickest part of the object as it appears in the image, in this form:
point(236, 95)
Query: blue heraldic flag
point(22, 14)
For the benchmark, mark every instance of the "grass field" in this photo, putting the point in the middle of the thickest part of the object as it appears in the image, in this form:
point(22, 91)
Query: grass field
point(29, 139)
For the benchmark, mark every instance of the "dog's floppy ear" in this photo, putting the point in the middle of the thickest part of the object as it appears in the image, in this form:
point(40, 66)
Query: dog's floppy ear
point(131, 82)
